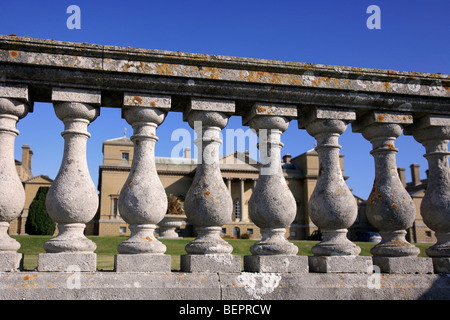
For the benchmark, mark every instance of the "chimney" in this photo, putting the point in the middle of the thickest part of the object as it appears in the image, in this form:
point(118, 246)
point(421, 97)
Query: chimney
point(26, 156)
point(287, 158)
point(187, 153)
point(29, 160)
point(415, 175)
point(401, 175)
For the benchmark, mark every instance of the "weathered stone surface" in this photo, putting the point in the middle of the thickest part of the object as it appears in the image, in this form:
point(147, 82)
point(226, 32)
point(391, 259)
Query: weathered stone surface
point(10, 261)
point(12, 194)
point(339, 264)
point(142, 200)
point(211, 262)
point(272, 206)
point(394, 265)
point(143, 262)
point(208, 203)
point(389, 208)
point(66, 261)
point(72, 200)
point(212, 286)
point(434, 133)
point(276, 263)
point(332, 206)
point(441, 265)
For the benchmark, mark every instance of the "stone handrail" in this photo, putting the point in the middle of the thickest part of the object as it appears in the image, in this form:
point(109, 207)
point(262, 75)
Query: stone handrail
point(79, 79)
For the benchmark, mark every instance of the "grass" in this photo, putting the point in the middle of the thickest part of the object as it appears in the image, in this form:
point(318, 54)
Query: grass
point(31, 246)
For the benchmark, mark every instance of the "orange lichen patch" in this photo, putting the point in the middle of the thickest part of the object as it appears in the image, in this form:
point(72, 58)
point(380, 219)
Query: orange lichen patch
point(391, 146)
point(207, 193)
point(164, 69)
point(148, 238)
point(394, 206)
point(260, 108)
point(380, 118)
point(13, 53)
point(137, 99)
point(27, 277)
point(319, 80)
point(153, 103)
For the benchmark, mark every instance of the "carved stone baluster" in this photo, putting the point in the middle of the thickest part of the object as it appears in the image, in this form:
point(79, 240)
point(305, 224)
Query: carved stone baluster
point(142, 200)
point(434, 133)
point(272, 206)
point(332, 206)
point(390, 208)
point(72, 200)
point(208, 203)
point(14, 105)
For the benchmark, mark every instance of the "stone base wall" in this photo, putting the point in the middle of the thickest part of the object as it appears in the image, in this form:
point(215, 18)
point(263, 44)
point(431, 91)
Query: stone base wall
point(220, 286)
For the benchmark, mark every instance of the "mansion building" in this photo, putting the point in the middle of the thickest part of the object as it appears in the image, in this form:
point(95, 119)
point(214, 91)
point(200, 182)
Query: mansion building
point(240, 174)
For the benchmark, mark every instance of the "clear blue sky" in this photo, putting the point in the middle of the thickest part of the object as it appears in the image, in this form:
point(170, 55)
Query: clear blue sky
point(414, 36)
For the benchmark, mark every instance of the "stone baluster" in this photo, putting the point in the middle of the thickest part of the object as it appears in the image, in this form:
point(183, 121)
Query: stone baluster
point(272, 206)
point(433, 132)
point(142, 200)
point(390, 208)
point(332, 206)
point(72, 200)
point(14, 105)
point(208, 203)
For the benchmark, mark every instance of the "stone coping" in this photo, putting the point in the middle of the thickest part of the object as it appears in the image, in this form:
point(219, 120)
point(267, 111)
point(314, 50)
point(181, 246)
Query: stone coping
point(115, 69)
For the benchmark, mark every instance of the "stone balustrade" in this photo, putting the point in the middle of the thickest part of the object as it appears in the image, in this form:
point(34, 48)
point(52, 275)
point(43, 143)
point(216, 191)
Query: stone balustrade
point(80, 79)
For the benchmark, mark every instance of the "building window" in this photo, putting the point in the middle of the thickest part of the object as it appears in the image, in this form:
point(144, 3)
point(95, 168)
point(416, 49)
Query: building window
point(125, 157)
point(123, 229)
point(236, 232)
point(115, 208)
point(250, 231)
point(224, 230)
point(237, 209)
point(428, 234)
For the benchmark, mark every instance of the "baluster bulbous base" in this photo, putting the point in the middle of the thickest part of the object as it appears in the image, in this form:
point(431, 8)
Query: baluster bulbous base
point(142, 240)
point(273, 242)
point(70, 238)
point(394, 244)
point(7, 244)
point(208, 241)
point(442, 247)
point(335, 242)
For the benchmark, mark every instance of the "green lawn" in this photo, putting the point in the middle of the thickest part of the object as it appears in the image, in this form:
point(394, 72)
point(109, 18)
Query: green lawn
point(31, 246)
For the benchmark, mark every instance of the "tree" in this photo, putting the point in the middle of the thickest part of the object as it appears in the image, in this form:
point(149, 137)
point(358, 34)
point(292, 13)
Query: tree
point(38, 221)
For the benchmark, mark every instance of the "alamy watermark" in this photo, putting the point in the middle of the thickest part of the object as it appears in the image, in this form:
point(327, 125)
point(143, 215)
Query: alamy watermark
point(74, 20)
point(374, 20)
point(74, 278)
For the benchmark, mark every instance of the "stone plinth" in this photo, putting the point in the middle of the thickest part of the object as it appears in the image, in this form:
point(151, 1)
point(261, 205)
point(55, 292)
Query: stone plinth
point(207, 263)
point(339, 264)
point(403, 264)
point(441, 265)
point(64, 261)
point(276, 263)
point(142, 262)
point(10, 261)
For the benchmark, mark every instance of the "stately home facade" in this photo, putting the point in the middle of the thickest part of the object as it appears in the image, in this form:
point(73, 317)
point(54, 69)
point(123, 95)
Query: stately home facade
point(239, 173)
